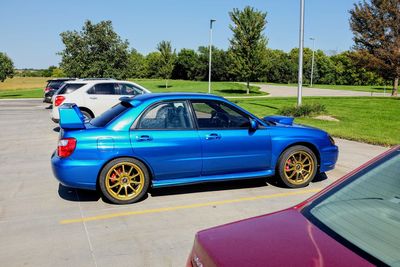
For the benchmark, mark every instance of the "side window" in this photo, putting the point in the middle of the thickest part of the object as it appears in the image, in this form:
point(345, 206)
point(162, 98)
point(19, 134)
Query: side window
point(218, 115)
point(102, 89)
point(129, 89)
point(166, 115)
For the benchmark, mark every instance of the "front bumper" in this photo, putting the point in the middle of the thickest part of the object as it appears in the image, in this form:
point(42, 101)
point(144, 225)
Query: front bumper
point(76, 173)
point(329, 156)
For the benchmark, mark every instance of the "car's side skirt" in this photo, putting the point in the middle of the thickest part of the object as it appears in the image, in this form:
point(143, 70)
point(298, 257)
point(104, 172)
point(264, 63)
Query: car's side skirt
point(212, 178)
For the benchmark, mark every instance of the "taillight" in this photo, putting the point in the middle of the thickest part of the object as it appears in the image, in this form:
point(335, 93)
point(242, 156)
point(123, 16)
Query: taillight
point(65, 147)
point(47, 89)
point(59, 100)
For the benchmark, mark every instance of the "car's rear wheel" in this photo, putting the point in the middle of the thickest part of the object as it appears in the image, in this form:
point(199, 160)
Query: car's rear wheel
point(124, 180)
point(86, 115)
point(297, 166)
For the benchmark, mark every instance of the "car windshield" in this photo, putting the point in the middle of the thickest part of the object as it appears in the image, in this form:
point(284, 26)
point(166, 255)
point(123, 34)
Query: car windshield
point(363, 213)
point(110, 114)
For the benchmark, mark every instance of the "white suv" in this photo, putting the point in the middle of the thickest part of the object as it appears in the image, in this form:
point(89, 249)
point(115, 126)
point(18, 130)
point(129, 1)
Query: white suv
point(94, 96)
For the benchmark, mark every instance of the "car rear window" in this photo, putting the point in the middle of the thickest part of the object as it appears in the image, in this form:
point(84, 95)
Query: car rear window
point(69, 88)
point(55, 84)
point(110, 114)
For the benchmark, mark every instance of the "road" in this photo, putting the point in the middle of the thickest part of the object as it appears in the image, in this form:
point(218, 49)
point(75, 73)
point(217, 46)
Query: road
point(45, 224)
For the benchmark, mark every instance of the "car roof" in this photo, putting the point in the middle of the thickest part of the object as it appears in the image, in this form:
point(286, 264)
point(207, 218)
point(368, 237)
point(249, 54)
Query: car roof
point(177, 95)
point(93, 81)
point(61, 79)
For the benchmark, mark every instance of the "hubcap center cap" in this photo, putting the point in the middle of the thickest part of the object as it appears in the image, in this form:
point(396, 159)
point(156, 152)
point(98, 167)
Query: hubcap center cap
point(298, 167)
point(124, 180)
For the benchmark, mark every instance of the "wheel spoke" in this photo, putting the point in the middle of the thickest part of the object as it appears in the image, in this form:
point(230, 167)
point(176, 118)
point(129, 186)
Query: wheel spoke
point(119, 190)
point(114, 185)
point(297, 176)
point(126, 190)
point(134, 182)
point(123, 168)
point(130, 171)
point(133, 176)
point(133, 189)
point(293, 173)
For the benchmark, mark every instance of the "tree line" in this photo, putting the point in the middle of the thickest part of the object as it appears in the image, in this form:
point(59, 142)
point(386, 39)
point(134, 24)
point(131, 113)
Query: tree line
point(98, 51)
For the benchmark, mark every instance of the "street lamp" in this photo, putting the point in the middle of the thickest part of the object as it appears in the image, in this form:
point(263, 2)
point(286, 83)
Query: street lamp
point(209, 61)
point(301, 44)
point(312, 60)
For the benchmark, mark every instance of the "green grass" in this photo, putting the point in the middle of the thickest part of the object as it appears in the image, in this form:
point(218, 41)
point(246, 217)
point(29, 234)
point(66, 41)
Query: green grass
point(366, 119)
point(27, 87)
point(360, 88)
point(217, 88)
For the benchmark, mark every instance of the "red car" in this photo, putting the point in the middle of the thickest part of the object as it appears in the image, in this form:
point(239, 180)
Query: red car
point(354, 222)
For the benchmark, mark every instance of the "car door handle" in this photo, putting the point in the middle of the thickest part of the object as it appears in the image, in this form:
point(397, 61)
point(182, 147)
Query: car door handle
point(143, 138)
point(93, 97)
point(213, 136)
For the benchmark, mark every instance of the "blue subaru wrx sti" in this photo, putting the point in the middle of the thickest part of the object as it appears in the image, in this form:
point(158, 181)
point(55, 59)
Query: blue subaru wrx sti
point(179, 138)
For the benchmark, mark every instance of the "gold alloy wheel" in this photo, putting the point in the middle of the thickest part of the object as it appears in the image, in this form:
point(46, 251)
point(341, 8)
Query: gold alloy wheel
point(299, 167)
point(124, 181)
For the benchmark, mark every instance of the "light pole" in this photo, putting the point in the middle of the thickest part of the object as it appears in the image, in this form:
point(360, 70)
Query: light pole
point(301, 44)
point(209, 61)
point(312, 60)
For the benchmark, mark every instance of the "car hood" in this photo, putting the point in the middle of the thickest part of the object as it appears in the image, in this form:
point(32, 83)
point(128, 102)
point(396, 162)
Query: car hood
point(284, 238)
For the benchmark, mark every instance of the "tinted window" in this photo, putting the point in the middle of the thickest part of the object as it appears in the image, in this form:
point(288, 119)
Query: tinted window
point(129, 89)
point(55, 84)
point(110, 114)
point(213, 114)
point(365, 210)
point(103, 89)
point(166, 115)
point(69, 88)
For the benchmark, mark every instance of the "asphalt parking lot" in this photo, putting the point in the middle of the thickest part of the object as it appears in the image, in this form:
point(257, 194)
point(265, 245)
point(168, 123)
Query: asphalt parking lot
point(45, 224)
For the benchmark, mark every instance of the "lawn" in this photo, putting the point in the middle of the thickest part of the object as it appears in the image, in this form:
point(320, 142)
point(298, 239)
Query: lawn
point(367, 119)
point(360, 88)
point(32, 87)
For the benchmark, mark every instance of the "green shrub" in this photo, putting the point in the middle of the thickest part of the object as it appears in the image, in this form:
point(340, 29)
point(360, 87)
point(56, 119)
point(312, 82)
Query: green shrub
point(302, 111)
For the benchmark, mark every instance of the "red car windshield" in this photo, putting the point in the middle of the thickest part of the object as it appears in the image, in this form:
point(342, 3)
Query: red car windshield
point(363, 213)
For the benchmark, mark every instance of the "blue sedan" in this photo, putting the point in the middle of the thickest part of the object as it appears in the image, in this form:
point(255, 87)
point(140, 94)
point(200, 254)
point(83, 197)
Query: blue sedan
point(179, 138)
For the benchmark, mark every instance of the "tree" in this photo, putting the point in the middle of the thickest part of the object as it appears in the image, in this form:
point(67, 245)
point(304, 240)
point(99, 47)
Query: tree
point(186, 65)
point(96, 51)
point(153, 65)
point(248, 45)
point(167, 60)
point(137, 65)
point(376, 28)
point(58, 72)
point(6, 67)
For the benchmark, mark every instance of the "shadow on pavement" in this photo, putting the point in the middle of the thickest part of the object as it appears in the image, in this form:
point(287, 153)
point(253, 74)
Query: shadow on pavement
point(206, 187)
point(73, 194)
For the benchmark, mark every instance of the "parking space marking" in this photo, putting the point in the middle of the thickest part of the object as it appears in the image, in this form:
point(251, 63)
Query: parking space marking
point(191, 206)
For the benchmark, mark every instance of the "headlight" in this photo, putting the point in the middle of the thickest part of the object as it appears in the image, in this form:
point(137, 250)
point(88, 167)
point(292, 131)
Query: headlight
point(331, 139)
point(196, 262)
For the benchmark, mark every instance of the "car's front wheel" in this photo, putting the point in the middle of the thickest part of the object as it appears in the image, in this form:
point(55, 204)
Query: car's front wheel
point(297, 166)
point(124, 180)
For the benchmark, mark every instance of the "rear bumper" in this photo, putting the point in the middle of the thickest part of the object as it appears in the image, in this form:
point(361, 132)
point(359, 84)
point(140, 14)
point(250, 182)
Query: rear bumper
point(76, 173)
point(329, 156)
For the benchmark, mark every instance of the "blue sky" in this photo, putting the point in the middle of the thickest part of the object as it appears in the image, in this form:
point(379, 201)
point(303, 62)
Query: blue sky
point(29, 31)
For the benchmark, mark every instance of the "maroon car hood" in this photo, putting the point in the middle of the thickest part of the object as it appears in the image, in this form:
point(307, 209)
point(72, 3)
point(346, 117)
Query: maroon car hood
point(285, 238)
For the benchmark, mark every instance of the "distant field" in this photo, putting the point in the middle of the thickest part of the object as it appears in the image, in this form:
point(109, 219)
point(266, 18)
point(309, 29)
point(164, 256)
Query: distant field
point(365, 119)
point(217, 88)
point(360, 88)
point(32, 87)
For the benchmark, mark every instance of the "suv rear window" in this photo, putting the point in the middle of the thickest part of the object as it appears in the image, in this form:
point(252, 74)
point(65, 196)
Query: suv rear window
point(69, 88)
point(55, 84)
point(110, 114)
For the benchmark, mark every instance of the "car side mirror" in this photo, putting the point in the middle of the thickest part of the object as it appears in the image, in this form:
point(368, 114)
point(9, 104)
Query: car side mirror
point(253, 125)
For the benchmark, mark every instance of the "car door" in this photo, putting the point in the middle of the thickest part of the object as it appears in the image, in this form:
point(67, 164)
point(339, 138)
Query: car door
point(228, 143)
point(165, 138)
point(102, 96)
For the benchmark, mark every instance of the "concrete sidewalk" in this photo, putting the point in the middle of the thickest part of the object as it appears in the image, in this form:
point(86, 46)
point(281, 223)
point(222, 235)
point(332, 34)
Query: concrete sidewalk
point(289, 91)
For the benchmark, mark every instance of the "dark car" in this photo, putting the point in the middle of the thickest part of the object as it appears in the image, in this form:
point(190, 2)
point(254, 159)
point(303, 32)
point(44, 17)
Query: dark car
point(354, 222)
point(52, 86)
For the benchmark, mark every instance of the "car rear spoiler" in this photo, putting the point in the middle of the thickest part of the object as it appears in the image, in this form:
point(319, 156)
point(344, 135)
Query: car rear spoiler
point(279, 119)
point(71, 117)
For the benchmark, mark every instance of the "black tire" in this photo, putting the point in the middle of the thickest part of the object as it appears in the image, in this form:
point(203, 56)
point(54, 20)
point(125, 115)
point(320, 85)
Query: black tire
point(290, 166)
point(122, 180)
point(86, 115)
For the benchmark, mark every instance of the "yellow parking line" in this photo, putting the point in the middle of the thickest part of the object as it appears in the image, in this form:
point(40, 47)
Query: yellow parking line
point(191, 206)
